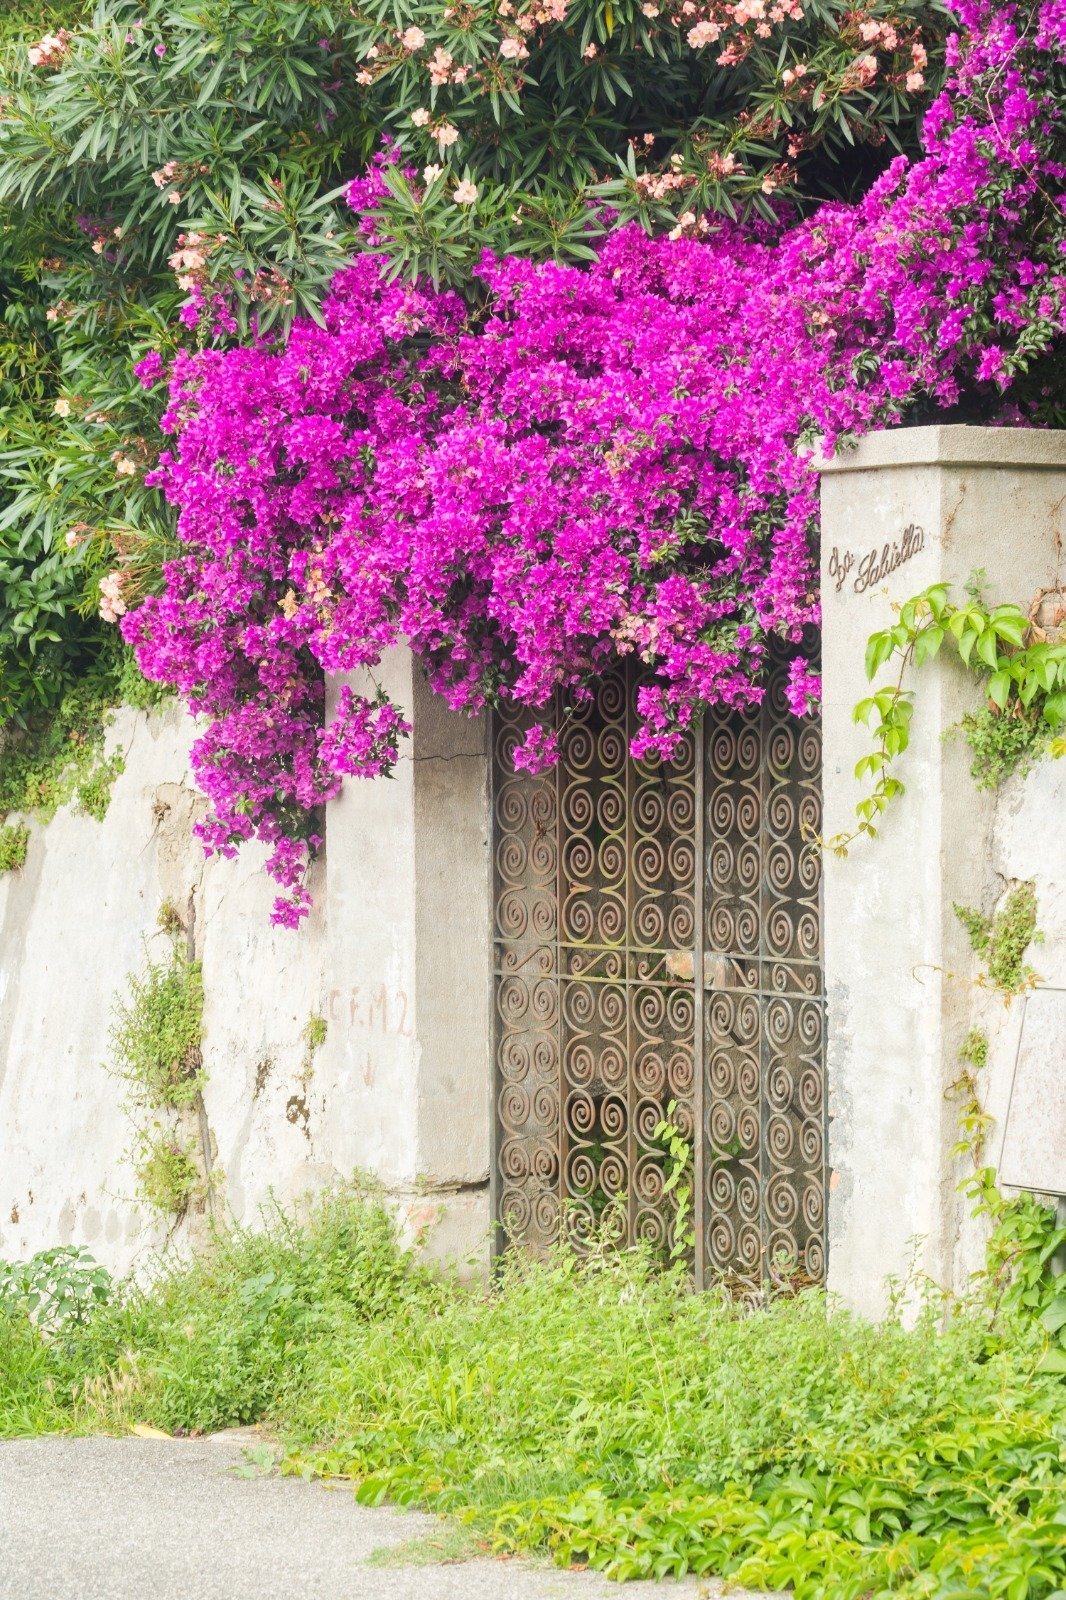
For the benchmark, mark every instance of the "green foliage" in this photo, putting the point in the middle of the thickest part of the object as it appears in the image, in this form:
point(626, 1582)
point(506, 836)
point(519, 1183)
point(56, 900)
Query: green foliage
point(1003, 745)
point(1024, 684)
point(1003, 939)
point(597, 1409)
point(1025, 1266)
point(14, 839)
point(975, 1124)
point(975, 1050)
point(58, 756)
point(678, 1183)
point(55, 1288)
point(158, 1032)
point(168, 1176)
point(315, 1032)
point(85, 288)
point(156, 1050)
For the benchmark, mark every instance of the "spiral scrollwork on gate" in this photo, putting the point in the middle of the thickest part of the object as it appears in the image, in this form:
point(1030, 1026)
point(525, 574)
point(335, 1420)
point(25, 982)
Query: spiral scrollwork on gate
point(640, 907)
point(595, 869)
point(764, 1094)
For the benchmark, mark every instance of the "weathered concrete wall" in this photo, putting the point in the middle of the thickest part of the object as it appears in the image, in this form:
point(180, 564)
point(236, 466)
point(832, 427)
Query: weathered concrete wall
point(400, 1087)
point(900, 973)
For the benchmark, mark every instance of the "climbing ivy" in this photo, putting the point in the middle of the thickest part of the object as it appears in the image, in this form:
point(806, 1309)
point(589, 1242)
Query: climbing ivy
point(1022, 673)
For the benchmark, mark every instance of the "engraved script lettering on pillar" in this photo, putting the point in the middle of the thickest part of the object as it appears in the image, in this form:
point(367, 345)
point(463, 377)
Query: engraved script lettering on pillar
point(876, 565)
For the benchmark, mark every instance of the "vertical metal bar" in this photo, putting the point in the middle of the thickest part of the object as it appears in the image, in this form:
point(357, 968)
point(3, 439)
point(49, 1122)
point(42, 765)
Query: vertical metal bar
point(628, 990)
point(764, 781)
point(558, 779)
point(495, 1241)
point(823, 1176)
point(699, 1063)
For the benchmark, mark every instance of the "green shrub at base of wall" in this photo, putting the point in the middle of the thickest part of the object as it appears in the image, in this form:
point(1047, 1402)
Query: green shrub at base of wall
point(14, 841)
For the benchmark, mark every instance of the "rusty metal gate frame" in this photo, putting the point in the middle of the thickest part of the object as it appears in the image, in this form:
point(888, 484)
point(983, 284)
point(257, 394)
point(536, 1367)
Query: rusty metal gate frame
point(557, 867)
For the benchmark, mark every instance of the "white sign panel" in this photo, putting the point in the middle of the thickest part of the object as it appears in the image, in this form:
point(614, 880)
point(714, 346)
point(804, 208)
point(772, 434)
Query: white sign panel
point(1034, 1139)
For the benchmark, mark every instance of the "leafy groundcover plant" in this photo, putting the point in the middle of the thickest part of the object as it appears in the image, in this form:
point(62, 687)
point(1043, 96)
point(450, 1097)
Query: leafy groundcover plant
point(597, 1409)
point(593, 462)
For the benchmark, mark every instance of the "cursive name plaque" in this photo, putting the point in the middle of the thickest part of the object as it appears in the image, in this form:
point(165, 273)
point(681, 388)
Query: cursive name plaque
point(876, 565)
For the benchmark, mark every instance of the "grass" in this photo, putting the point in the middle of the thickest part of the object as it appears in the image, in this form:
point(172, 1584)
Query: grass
point(596, 1410)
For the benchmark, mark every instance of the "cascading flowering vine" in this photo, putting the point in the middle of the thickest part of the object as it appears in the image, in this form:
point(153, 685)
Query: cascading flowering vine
point(597, 463)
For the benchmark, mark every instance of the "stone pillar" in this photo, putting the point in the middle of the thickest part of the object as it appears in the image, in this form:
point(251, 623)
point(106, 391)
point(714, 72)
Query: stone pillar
point(409, 1037)
point(905, 509)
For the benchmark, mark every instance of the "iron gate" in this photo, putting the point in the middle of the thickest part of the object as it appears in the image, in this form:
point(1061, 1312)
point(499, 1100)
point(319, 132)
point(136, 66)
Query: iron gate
point(657, 941)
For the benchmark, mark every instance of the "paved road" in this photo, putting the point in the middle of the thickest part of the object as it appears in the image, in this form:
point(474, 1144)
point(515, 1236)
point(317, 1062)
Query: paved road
point(168, 1519)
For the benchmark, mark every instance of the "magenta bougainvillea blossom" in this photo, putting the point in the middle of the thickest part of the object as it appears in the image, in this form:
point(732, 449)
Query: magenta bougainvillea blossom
point(602, 461)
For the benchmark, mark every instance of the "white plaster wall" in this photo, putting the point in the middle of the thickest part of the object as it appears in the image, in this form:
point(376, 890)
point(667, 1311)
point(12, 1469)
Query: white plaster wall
point(400, 1088)
point(74, 923)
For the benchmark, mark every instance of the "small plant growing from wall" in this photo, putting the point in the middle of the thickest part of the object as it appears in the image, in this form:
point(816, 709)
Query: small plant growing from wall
point(14, 839)
point(168, 1175)
point(315, 1032)
point(158, 1030)
point(156, 1043)
point(1003, 938)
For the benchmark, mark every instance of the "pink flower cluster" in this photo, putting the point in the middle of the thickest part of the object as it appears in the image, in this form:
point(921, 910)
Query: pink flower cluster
point(51, 51)
point(617, 461)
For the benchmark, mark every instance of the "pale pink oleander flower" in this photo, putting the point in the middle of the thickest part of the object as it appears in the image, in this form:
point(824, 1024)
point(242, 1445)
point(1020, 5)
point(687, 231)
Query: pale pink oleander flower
point(112, 605)
point(174, 198)
point(590, 52)
point(447, 135)
point(431, 173)
point(420, 117)
point(413, 39)
point(513, 49)
point(703, 33)
point(915, 81)
point(62, 408)
point(465, 193)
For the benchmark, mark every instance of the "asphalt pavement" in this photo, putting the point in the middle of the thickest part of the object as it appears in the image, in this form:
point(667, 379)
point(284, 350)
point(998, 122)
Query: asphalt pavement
point(170, 1519)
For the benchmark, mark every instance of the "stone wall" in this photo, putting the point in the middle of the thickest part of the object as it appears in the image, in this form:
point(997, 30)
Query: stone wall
point(400, 1085)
